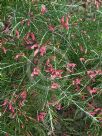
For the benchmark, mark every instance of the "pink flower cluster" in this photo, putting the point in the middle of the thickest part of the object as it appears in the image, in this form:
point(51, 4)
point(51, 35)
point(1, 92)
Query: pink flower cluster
point(43, 9)
point(41, 116)
point(55, 86)
point(65, 22)
point(29, 38)
point(36, 72)
point(54, 73)
point(51, 28)
point(58, 106)
point(9, 106)
point(98, 3)
point(93, 73)
point(23, 96)
point(92, 90)
point(3, 49)
point(95, 111)
point(71, 67)
point(20, 99)
point(77, 81)
point(42, 50)
point(31, 43)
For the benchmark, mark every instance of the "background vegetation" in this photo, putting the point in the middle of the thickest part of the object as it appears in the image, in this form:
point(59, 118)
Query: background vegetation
point(30, 106)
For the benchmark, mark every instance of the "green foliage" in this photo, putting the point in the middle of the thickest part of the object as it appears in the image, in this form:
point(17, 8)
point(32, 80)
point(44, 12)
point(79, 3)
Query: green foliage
point(82, 40)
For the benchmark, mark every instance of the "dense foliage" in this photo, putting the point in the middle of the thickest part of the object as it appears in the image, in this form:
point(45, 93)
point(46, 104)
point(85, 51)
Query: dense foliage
point(50, 68)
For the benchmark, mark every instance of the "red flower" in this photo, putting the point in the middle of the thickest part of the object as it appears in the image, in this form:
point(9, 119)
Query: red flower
point(11, 108)
point(71, 67)
point(4, 49)
point(19, 55)
point(96, 110)
point(65, 23)
point(81, 48)
point(23, 95)
point(93, 113)
point(36, 52)
point(98, 72)
point(28, 22)
point(58, 106)
point(35, 72)
point(82, 59)
point(92, 90)
point(48, 62)
point(56, 73)
point(32, 36)
point(97, 3)
point(29, 38)
point(6, 134)
point(41, 116)
point(42, 50)
point(34, 46)
point(55, 86)
point(77, 81)
point(17, 34)
point(50, 69)
point(5, 103)
point(51, 28)
point(91, 74)
point(9, 105)
point(43, 9)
